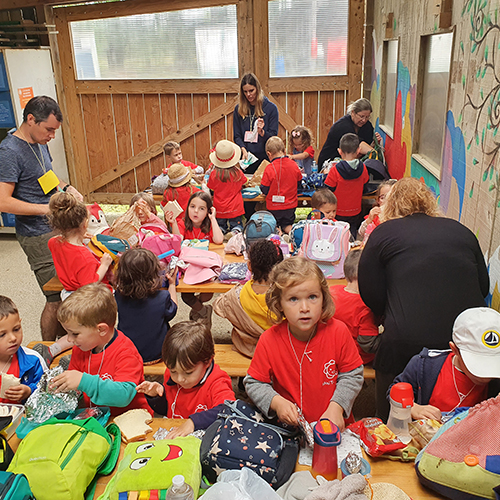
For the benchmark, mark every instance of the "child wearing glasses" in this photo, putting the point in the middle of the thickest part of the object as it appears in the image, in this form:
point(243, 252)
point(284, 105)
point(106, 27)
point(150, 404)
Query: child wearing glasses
point(302, 150)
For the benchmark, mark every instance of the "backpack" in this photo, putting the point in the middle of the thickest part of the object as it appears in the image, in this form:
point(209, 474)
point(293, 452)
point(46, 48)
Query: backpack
point(326, 242)
point(161, 243)
point(149, 466)
point(462, 460)
point(102, 243)
point(260, 225)
point(297, 232)
point(14, 487)
point(241, 436)
point(66, 455)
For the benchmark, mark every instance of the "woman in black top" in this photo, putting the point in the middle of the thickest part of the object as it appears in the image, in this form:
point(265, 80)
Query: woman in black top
point(419, 271)
point(356, 121)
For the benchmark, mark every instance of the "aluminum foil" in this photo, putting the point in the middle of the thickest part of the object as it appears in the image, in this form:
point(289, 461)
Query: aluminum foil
point(162, 433)
point(43, 404)
point(305, 427)
point(353, 463)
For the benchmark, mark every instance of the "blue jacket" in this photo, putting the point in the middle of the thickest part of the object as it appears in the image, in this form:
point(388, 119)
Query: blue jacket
point(31, 367)
point(422, 372)
point(242, 125)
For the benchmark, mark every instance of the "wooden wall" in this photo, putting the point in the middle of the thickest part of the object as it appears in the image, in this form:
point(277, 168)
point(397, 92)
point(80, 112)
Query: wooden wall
point(116, 130)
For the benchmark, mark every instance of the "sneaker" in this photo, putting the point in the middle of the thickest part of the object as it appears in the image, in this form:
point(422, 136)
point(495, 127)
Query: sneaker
point(228, 236)
point(44, 351)
point(64, 362)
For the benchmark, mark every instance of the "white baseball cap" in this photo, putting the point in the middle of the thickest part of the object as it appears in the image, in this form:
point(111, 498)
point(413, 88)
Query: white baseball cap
point(476, 333)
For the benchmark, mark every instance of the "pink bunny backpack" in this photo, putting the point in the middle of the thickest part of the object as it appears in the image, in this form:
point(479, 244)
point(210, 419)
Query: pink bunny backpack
point(326, 242)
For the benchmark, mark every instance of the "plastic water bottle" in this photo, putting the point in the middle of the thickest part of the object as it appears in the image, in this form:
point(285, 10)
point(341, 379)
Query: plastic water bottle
point(401, 399)
point(180, 490)
point(326, 439)
point(314, 168)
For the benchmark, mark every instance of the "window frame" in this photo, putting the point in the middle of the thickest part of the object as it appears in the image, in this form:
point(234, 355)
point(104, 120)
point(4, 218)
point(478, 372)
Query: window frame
point(424, 161)
point(387, 128)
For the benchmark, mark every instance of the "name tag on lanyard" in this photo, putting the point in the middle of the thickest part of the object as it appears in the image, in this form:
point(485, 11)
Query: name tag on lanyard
point(48, 181)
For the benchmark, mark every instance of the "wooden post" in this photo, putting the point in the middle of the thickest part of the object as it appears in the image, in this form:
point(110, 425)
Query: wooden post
point(355, 57)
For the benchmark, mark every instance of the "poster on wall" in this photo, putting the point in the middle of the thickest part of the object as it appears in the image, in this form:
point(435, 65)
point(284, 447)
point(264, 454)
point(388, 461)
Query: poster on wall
point(25, 94)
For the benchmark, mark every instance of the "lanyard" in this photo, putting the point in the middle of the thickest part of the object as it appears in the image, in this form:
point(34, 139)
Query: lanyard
point(42, 162)
point(278, 179)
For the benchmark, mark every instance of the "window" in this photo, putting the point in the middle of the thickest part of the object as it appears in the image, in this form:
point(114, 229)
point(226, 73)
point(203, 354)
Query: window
point(308, 38)
point(389, 85)
point(194, 43)
point(436, 52)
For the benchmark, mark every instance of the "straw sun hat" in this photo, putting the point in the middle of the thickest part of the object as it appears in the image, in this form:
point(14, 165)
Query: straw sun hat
point(178, 175)
point(225, 155)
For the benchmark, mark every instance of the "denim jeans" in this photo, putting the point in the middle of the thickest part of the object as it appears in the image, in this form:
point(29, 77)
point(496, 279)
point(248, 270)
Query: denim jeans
point(235, 223)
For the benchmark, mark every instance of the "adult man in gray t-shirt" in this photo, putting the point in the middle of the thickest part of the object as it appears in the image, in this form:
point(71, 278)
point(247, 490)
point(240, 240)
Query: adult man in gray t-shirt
point(24, 159)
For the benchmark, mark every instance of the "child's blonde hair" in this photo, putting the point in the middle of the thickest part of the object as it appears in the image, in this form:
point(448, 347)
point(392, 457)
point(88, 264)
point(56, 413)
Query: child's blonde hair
point(409, 196)
point(351, 264)
point(322, 197)
point(7, 307)
point(275, 145)
point(89, 305)
point(66, 212)
point(188, 343)
point(302, 133)
point(170, 147)
point(148, 198)
point(292, 272)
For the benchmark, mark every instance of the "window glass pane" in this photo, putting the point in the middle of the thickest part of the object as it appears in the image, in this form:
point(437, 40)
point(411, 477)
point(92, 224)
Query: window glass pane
point(391, 78)
point(308, 37)
point(435, 96)
point(194, 43)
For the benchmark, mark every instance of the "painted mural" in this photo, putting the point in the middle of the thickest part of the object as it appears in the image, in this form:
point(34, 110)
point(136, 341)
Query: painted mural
point(469, 186)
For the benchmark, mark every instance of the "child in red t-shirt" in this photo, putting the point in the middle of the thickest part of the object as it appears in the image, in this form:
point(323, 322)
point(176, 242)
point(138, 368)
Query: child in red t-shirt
point(350, 308)
point(179, 188)
point(105, 364)
point(226, 181)
point(194, 386)
point(75, 264)
point(347, 179)
point(324, 204)
point(301, 147)
point(308, 359)
point(199, 223)
point(280, 183)
point(173, 154)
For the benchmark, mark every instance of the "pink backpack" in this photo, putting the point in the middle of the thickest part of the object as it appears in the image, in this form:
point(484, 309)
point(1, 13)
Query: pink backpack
point(161, 243)
point(326, 242)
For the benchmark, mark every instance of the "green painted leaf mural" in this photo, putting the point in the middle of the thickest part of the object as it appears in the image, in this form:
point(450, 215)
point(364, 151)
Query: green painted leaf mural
point(475, 161)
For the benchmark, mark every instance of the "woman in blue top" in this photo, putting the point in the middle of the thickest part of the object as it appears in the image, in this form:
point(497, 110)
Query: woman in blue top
point(255, 120)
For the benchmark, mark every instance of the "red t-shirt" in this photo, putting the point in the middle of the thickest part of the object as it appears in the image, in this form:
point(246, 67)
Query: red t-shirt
point(351, 310)
point(310, 151)
point(330, 352)
point(281, 176)
point(119, 362)
point(184, 402)
point(186, 163)
point(75, 265)
point(349, 192)
point(227, 195)
point(181, 195)
point(13, 370)
point(445, 397)
point(196, 233)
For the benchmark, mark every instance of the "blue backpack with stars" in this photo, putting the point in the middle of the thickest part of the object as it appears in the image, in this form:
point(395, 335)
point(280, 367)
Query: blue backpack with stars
point(243, 437)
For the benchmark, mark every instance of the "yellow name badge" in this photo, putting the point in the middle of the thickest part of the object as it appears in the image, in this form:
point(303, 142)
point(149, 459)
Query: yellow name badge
point(48, 181)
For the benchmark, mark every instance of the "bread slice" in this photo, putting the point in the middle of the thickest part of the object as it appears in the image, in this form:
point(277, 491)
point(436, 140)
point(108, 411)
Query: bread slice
point(133, 425)
point(8, 381)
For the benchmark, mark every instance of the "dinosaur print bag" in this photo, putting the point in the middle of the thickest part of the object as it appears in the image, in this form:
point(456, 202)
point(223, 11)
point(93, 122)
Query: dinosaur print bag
point(326, 242)
point(242, 437)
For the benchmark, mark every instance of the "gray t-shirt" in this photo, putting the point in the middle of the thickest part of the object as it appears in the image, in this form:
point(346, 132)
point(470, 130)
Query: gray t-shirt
point(19, 164)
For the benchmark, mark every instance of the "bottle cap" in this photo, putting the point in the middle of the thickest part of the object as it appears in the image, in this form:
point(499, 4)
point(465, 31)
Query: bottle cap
point(402, 395)
point(178, 480)
point(326, 433)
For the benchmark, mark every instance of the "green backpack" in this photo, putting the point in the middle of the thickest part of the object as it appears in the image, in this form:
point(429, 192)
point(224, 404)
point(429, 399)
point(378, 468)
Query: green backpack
point(60, 458)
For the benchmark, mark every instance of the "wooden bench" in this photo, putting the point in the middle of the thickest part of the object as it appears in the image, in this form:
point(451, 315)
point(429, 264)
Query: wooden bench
point(229, 360)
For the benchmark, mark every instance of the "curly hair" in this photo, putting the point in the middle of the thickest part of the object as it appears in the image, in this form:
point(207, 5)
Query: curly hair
point(263, 256)
point(66, 212)
point(206, 224)
point(188, 343)
point(137, 275)
point(409, 196)
point(302, 133)
point(292, 272)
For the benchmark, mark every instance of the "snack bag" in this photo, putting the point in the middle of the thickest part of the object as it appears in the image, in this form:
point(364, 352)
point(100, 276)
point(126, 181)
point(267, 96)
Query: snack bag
point(422, 431)
point(376, 437)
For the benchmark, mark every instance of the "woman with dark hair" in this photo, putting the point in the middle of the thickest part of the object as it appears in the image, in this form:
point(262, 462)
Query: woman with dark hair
point(255, 120)
point(419, 270)
point(356, 121)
